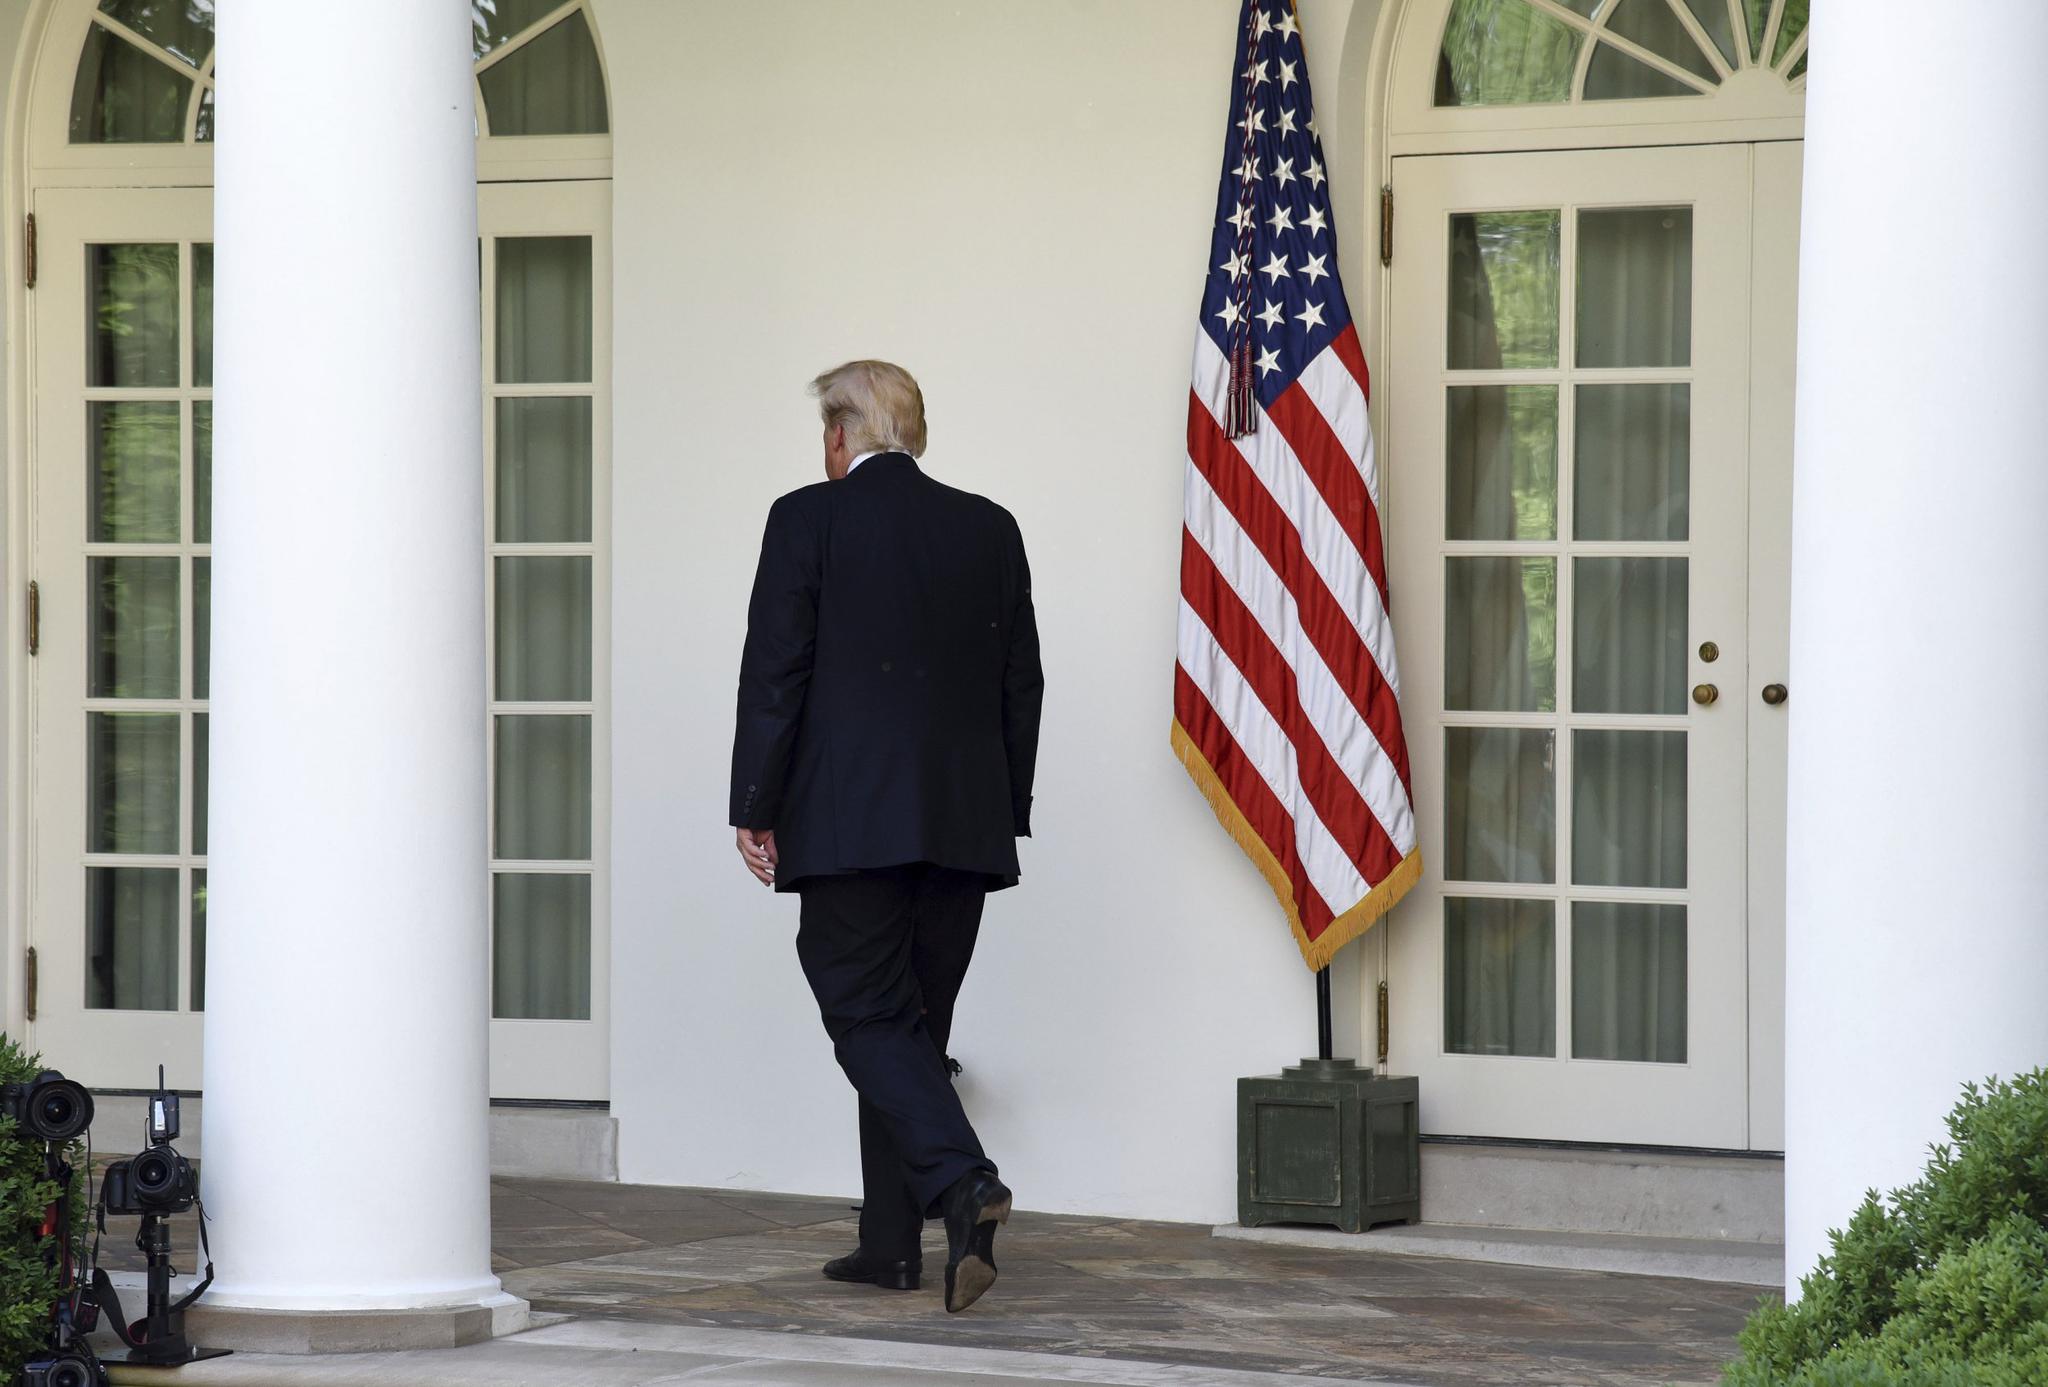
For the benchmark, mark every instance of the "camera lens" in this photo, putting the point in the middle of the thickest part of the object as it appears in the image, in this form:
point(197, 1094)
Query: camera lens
point(154, 1174)
point(69, 1372)
point(59, 1110)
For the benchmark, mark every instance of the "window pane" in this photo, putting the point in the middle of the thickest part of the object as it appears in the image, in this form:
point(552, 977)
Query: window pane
point(552, 85)
point(1500, 811)
point(1613, 75)
point(131, 938)
point(202, 748)
point(1653, 24)
point(1500, 462)
point(1500, 634)
point(542, 798)
point(131, 782)
point(497, 22)
point(540, 947)
point(543, 481)
point(1629, 646)
point(133, 651)
point(202, 314)
point(1628, 982)
point(1635, 286)
point(1503, 292)
point(202, 626)
point(184, 27)
point(543, 307)
point(1633, 462)
point(1713, 17)
point(543, 629)
point(123, 95)
point(1500, 977)
point(199, 939)
point(135, 470)
point(202, 129)
point(202, 471)
point(1758, 13)
point(1789, 29)
point(1504, 53)
point(133, 331)
point(1628, 808)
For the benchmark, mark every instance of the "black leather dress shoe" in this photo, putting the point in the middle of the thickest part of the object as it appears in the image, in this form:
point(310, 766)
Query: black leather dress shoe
point(973, 1205)
point(858, 1266)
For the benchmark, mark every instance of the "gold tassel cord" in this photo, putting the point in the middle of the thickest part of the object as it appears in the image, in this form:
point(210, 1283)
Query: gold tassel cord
point(1361, 917)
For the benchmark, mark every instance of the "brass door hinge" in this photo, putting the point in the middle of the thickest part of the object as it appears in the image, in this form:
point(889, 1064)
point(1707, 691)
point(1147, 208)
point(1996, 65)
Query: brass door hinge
point(1386, 223)
point(28, 251)
point(29, 977)
point(35, 616)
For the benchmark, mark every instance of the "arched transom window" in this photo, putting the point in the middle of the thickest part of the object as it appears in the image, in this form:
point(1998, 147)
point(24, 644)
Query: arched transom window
point(1545, 52)
point(145, 72)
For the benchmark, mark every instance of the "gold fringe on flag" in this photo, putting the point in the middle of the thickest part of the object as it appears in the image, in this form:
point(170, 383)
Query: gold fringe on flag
point(1361, 917)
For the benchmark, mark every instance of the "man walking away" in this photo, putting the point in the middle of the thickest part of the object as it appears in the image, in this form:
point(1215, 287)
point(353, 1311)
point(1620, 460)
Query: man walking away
point(888, 724)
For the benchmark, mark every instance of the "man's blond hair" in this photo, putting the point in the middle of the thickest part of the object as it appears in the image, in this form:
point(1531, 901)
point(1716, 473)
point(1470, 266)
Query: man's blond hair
point(877, 403)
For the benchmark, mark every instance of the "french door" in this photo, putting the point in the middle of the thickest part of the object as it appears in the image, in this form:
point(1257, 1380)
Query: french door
point(1571, 418)
point(120, 495)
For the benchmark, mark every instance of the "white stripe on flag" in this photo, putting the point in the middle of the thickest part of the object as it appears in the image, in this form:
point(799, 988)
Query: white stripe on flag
point(1335, 718)
point(1264, 744)
point(1329, 384)
point(1331, 550)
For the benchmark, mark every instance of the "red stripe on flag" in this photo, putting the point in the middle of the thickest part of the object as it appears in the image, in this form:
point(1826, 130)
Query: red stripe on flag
point(1248, 790)
point(1329, 465)
point(1345, 344)
point(1336, 799)
point(1322, 618)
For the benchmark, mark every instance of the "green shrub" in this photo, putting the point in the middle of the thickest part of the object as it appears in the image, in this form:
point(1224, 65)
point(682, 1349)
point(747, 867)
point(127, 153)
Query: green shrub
point(28, 1287)
point(1943, 1285)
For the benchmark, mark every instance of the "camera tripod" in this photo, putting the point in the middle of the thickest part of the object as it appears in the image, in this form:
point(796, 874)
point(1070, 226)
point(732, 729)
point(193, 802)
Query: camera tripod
point(158, 1338)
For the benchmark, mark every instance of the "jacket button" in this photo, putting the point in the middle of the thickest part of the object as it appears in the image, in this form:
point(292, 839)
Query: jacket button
point(887, 666)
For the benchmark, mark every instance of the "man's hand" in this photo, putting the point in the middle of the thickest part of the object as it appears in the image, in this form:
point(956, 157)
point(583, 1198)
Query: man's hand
point(757, 850)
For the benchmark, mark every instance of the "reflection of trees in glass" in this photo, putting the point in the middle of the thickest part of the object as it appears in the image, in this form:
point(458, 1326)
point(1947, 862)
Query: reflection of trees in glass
point(1505, 53)
point(134, 651)
point(132, 774)
point(135, 470)
point(183, 27)
point(123, 95)
point(134, 289)
point(1504, 289)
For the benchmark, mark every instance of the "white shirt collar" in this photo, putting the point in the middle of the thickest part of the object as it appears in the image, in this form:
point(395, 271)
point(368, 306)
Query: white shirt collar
point(863, 457)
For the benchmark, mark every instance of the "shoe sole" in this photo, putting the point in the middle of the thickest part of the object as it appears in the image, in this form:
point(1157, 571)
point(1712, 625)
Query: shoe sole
point(969, 1280)
point(887, 1283)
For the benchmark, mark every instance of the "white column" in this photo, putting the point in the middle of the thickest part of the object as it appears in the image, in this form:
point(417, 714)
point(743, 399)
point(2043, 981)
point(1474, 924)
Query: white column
point(346, 1159)
point(1917, 890)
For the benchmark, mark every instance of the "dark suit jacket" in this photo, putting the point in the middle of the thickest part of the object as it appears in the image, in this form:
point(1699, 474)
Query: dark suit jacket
point(890, 687)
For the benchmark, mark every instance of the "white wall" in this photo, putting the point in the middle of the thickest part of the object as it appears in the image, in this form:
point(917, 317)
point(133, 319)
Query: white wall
point(1013, 200)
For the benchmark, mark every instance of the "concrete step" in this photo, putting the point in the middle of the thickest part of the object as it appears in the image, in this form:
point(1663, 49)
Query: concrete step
point(1656, 1194)
point(1692, 1259)
point(526, 1142)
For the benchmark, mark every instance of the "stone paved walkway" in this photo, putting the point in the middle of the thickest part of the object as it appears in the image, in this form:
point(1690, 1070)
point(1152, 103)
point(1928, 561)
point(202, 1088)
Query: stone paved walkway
point(1108, 1289)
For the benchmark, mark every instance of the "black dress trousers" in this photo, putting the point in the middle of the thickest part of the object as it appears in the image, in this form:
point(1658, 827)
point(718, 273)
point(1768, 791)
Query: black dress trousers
point(885, 951)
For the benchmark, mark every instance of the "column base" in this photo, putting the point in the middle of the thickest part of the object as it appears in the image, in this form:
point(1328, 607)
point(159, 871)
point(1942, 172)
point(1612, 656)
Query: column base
point(355, 1331)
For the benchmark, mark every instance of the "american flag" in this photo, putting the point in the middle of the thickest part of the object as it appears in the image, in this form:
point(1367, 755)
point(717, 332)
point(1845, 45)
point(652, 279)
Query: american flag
point(1286, 696)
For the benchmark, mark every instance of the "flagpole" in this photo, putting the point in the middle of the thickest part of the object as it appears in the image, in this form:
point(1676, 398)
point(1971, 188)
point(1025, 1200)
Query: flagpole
point(1325, 1049)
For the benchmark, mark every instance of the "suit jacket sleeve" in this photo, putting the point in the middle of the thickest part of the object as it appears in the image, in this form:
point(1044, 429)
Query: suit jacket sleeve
point(1023, 695)
point(775, 667)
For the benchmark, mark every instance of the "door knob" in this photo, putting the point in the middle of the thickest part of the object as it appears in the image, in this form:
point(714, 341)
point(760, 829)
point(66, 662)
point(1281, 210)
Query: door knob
point(1703, 694)
point(1774, 694)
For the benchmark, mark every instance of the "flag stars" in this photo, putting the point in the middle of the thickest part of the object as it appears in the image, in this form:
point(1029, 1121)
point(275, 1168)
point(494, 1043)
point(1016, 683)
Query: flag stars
point(1235, 264)
point(1311, 316)
point(1314, 222)
point(1249, 169)
point(1287, 77)
point(1254, 121)
point(1261, 24)
point(1272, 314)
point(1257, 72)
point(1274, 269)
point(1229, 313)
point(1312, 269)
point(1289, 26)
point(1283, 172)
point(1269, 361)
point(1241, 218)
point(1287, 120)
point(1314, 173)
point(1281, 220)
